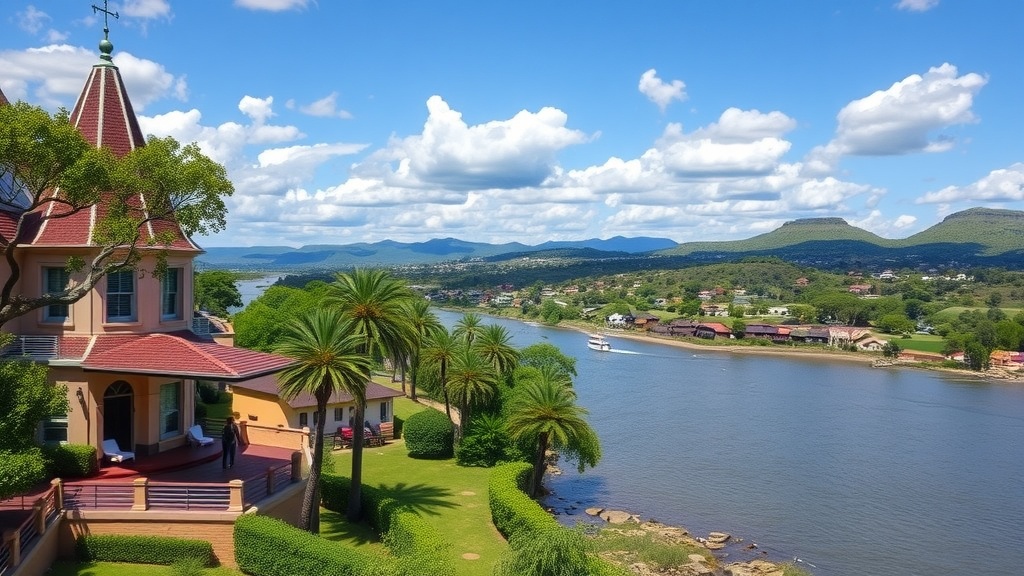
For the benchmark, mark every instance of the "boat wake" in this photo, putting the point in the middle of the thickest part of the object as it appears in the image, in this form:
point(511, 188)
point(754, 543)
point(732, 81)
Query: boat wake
point(626, 352)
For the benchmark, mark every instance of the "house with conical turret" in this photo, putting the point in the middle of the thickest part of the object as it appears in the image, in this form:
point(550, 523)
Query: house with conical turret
point(130, 351)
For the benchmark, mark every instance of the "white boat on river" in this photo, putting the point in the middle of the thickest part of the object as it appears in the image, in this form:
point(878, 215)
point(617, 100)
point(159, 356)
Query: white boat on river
point(597, 342)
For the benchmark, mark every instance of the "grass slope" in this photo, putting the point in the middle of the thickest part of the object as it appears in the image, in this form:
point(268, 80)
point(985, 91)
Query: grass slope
point(997, 231)
point(789, 234)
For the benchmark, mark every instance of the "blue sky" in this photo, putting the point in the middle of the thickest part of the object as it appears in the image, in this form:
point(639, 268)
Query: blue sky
point(349, 121)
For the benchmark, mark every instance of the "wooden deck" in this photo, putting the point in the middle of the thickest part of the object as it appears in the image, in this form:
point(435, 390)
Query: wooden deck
point(188, 464)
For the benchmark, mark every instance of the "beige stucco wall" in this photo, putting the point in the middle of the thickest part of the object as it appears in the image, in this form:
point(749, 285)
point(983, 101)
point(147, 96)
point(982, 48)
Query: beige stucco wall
point(85, 418)
point(269, 410)
point(88, 315)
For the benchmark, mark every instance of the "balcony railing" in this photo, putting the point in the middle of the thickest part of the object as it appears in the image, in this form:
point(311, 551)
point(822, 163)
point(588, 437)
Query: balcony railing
point(16, 543)
point(145, 494)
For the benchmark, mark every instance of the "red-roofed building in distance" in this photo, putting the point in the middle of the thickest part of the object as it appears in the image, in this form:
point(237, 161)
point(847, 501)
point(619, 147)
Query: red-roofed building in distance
point(131, 350)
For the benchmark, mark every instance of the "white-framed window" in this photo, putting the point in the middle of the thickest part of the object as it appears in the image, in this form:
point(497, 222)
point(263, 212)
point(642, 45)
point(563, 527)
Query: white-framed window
point(55, 280)
point(55, 430)
point(303, 419)
point(171, 294)
point(383, 410)
point(170, 410)
point(121, 296)
point(339, 414)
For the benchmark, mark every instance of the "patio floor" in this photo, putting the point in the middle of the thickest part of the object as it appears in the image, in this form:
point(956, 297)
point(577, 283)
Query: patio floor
point(188, 464)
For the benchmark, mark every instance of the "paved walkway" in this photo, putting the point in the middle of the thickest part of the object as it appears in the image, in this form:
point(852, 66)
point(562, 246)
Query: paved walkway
point(440, 407)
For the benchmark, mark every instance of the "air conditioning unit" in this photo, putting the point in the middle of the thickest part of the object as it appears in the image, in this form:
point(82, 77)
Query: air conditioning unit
point(37, 347)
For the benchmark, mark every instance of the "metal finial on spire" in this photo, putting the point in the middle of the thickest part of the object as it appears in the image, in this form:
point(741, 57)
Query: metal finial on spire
point(105, 45)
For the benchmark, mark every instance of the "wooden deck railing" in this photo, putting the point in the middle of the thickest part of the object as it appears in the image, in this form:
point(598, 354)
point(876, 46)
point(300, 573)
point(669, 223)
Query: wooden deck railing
point(16, 543)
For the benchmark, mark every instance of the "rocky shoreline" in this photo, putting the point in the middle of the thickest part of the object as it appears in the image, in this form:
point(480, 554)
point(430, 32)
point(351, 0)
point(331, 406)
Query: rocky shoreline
point(712, 563)
point(716, 548)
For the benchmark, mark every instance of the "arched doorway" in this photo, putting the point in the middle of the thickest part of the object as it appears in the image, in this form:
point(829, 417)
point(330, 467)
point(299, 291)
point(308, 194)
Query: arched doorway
point(118, 414)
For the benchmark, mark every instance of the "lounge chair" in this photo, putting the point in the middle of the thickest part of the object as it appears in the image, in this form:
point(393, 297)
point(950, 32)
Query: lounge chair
point(196, 437)
point(113, 452)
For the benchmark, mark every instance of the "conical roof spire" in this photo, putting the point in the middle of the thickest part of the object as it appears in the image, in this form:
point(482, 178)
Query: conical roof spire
point(105, 117)
point(103, 113)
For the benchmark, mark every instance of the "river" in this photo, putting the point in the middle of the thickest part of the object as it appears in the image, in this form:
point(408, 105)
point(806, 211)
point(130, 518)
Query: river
point(856, 471)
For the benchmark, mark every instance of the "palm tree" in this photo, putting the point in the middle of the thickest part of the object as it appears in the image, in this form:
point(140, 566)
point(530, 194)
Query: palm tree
point(424, 323)
point(494, 345)
point(328, 360)
point(440, 349)
point(469, 327)
point(375, 302)
point(544, 412)
point(471, 381)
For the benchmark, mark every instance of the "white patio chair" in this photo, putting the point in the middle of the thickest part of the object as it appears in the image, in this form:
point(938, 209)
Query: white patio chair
point(113, 452)
point(196, 437)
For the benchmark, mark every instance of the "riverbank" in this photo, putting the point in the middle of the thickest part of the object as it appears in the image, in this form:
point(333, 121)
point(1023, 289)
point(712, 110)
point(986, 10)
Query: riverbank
point(779, 350)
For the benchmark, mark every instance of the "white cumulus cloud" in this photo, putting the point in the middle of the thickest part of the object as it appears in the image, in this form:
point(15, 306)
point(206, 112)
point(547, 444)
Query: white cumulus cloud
point(660, 92)
point(1002, 185)
point(904, 118)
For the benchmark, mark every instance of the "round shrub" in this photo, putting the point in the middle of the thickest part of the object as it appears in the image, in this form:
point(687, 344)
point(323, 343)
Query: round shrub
point(71, 460)
point(429, 434)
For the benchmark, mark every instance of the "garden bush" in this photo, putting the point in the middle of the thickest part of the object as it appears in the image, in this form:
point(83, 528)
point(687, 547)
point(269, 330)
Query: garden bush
point(418, 546)
point(141, 549)
point(20, 471)
point(429, 434)
point(71, 460)
point(512, 511)
point(552, 552)
point(266, 546)
point(518, 517)
point(485, 443)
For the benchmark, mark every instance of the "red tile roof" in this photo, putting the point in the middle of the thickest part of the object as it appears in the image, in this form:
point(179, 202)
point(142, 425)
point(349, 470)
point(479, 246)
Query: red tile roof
point(105, 117)
point(104, 114)
point(179, 354)
point(374, 391)
point(3, 99)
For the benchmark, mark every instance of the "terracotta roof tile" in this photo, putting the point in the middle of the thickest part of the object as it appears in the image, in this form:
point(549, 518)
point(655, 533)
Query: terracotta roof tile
point(105, 117)
point(104, 113)
point(3, 99)
point(179, 354)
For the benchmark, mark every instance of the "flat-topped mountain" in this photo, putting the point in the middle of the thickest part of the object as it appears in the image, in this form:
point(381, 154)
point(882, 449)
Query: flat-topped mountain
point(979, 236)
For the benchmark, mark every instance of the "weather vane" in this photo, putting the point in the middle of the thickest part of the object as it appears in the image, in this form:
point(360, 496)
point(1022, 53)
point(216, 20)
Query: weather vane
point(106, 12)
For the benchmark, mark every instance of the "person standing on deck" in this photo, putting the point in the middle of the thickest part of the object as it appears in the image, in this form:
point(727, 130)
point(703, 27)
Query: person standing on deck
point(230, 438)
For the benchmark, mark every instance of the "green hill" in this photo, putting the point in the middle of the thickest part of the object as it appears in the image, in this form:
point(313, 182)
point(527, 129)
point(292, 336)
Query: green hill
point(789, 234)
point(995, 231)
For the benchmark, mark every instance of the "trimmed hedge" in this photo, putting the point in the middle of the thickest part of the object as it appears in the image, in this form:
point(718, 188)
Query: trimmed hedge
point(512, 511)
point(141, 549)
point(419, 548)
point(519, 518)
point(429, 434)
point(71, 460)
point(266, 546)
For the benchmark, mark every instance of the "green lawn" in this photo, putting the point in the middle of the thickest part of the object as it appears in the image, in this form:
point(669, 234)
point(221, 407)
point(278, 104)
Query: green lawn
point(951, 313)
point(919, 342)
point(451, 497)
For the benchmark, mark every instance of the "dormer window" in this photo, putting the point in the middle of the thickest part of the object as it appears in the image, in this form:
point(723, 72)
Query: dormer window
point(13, 194)
point(121, 296)
point(55, 281)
